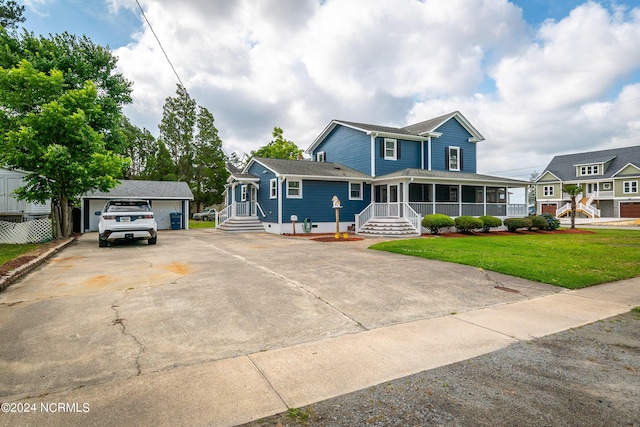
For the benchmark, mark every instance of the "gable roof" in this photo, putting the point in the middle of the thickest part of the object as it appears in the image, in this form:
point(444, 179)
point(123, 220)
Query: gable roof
point(416, 132)
point(140, 189)
point(306, 168)
point(564, 166)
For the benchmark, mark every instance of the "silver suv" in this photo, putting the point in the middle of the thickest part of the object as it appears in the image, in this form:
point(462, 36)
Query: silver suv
point(127, 220)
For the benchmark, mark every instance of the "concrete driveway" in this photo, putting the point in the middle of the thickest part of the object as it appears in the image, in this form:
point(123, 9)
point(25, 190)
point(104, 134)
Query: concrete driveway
point(95, 318)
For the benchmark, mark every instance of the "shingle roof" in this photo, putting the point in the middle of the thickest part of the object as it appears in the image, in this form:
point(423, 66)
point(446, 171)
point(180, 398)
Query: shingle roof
point(309, 168)
point(453, 176)
point(428, 125)
point(146, 190)
point(564, 167)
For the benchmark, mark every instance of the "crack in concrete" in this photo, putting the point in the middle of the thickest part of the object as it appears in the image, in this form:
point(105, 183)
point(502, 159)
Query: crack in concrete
point(120, 321)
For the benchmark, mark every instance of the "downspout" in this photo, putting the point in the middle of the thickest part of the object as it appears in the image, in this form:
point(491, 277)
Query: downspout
point(373, 153)
point(429, 152)
point(280, 182)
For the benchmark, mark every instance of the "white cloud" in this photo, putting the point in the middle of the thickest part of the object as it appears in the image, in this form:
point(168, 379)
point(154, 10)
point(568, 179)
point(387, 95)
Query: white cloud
point(532, 92)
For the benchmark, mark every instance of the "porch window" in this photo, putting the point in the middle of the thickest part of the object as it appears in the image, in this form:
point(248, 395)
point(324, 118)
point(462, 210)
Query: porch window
point(630, 187)
point(355, 191)
point(547, 190)
point(294, 189)
point(390, 149)
point(453, 153)
point(273, 188)
point(243, 193)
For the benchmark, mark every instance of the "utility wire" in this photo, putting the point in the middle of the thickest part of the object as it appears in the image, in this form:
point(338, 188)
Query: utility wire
point(160, 44)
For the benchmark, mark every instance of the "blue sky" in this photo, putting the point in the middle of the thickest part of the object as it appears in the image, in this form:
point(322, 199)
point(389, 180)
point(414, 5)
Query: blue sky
point(536, 77)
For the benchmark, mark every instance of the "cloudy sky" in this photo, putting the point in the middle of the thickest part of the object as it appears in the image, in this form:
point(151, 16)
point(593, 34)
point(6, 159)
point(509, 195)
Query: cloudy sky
point(536, 77)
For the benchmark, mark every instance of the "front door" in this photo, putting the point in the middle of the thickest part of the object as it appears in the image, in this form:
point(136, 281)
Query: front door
point(254, 200)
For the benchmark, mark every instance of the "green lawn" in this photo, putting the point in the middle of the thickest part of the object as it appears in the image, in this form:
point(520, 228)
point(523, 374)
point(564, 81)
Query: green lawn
point(569, 260)
point(9, 252)
point(201, 224)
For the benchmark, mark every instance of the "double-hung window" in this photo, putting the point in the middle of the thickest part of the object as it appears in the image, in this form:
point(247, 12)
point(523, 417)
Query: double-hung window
point(355, 191)
point(547, 190)
point(390, 149)
point(294, 189)
point(454, 158)
point(630, 187)
point(273, 188)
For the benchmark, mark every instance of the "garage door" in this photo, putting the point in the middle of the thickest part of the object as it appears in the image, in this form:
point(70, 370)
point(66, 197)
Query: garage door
point(549, 208)
point(162, 210)
point(629, 209)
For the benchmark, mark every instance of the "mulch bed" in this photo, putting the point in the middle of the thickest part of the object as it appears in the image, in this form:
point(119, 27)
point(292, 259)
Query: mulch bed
point(511, 233)
point(27, 257)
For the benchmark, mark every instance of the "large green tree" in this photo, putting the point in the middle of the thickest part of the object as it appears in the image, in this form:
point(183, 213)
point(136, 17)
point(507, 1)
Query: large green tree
point(80, 60)
point(46, 129)
point(278, 148)
point(188, 132)
point(11, 14)
point(140, 146)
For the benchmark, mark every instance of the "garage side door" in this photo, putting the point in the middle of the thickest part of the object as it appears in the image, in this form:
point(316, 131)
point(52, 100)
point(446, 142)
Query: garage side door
point(629, 209)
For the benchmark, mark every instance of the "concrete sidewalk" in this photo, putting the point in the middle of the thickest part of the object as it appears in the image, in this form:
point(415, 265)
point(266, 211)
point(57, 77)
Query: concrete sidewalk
point(237, 390)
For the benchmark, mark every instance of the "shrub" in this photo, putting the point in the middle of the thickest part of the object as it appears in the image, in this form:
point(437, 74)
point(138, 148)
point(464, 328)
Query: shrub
point(513, 224)
point(465, 224)
point(552, 222)
point(538, 222)
point(490, 222)
point(435, 222)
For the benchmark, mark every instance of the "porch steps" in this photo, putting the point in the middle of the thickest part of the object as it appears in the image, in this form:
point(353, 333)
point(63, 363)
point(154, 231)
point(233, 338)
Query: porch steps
point(242, 224)
point(388, 226)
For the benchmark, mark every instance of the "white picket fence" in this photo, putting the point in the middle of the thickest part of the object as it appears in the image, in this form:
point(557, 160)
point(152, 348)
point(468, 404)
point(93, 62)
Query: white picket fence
point(35, 231)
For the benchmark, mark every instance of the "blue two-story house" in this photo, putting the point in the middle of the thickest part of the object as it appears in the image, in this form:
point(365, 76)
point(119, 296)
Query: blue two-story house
point(385, 178)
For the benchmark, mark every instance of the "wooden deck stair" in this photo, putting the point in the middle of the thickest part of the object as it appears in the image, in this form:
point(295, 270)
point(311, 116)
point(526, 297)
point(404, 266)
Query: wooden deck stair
point(242, 224)
point(389, 226)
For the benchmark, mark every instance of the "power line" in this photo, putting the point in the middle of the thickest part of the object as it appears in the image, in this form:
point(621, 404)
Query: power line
point(160, 44)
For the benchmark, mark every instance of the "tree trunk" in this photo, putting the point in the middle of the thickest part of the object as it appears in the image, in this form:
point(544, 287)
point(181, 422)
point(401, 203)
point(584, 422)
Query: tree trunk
point(573, 212)
point(65, 216)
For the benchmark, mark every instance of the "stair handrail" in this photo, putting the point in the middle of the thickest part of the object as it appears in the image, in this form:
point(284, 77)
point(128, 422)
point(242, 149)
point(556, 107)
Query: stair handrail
point(563, 209)
point(364, 216)
point(224, 215)
point(414, 217)
point(593, 196)
point(264, 215)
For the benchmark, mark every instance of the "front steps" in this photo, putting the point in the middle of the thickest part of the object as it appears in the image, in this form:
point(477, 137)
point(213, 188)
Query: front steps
point(242, 224)
point(389, 226)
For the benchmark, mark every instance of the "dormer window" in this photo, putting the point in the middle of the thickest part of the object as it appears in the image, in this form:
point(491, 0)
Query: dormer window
point(589, 170)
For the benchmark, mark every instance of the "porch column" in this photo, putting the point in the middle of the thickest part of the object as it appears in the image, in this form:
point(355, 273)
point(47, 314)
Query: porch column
point(433, 196)
point(233, 198)
point(459, 199)
point(484, 199)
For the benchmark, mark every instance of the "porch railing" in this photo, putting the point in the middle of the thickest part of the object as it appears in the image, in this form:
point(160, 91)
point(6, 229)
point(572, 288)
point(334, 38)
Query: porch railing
point(414, 218)
point(472, 209)
point(364, 216)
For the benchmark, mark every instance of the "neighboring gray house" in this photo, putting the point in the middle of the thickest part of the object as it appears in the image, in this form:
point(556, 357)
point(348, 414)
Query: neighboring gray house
point(610, 181)
point(12, 208)
point(166, 197)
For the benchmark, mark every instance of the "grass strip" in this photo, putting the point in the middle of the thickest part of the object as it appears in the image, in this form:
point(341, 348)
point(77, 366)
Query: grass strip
point(571, 261)
point(9, 252)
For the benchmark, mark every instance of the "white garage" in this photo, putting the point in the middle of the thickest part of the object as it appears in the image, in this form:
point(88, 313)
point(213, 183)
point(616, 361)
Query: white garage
point(166, 197)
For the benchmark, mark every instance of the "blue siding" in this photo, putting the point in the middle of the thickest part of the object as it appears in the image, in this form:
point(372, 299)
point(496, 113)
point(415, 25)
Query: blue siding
point(453, 134)
point(270, 206)
point(409, 157)
point(316, 202)
point(347, 146)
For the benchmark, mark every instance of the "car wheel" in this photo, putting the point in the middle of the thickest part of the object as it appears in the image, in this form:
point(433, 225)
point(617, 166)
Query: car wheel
point(102, 243)
point(153, 240)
